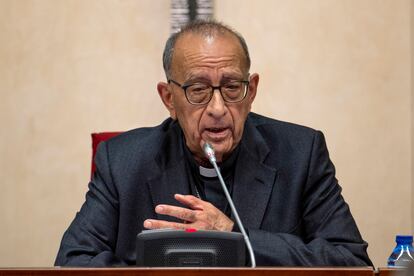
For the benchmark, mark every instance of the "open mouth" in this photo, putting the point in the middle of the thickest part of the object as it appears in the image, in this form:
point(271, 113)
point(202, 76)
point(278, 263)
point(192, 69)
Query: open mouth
point(215, 130)
point(216, 133)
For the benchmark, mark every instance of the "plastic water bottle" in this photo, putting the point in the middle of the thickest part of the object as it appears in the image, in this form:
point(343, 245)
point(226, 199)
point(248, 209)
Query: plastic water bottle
point(403, 253)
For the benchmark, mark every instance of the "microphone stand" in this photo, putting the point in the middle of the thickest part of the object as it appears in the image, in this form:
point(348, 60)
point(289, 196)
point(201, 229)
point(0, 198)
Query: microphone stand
point(208, 150)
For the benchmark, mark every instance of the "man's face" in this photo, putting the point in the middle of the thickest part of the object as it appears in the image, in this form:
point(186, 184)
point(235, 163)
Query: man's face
point(213, 60)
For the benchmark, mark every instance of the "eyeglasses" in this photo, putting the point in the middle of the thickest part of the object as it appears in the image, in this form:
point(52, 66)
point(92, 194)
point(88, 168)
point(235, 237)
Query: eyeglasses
point(201, 93)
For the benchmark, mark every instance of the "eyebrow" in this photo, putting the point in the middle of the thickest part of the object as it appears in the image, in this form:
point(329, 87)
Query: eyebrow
point(231, 78)
point(197, 78)
point(205, 79)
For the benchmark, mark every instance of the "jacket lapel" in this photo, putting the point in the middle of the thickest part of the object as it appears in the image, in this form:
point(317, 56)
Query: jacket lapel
point(253, 180)
point(171, 177)
point(171, 181)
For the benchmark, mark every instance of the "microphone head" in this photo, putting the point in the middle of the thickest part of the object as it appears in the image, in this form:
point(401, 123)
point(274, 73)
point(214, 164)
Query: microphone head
point(209, 152)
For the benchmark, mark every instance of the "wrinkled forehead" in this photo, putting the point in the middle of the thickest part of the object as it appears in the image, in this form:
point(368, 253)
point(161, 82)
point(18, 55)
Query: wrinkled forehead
point(193, 47)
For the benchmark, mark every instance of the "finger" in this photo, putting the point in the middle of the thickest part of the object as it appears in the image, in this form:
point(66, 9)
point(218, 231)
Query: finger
point(158, 224)
point(178, 212)
point(191, 201)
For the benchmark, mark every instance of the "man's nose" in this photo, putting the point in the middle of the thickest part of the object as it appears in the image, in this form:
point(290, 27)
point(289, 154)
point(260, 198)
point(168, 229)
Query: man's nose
point(216, 107)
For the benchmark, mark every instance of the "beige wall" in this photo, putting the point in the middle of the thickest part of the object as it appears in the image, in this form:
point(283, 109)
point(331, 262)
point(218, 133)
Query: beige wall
point(68, 68)
point(412, 114)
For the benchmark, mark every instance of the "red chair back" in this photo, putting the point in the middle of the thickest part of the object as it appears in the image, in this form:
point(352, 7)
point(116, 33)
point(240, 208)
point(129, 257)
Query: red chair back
point(96, 139)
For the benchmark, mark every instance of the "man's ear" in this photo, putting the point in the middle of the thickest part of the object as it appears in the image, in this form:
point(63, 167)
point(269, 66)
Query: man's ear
point(167, 97)
point(254, 82)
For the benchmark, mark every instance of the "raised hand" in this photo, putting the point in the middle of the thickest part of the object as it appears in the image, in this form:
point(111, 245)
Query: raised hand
point(200, 214)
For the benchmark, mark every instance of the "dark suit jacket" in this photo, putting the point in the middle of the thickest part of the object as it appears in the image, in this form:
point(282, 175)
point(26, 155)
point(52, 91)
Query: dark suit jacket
point(285, 191)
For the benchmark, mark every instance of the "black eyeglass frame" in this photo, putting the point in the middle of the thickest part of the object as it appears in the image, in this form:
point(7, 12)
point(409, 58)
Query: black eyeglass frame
point(184, 88)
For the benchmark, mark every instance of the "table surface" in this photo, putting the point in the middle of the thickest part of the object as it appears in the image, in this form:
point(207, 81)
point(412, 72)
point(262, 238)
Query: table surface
point(265, 271)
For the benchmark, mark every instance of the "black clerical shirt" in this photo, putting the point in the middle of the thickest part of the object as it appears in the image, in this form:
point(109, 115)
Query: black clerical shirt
point(208, 187)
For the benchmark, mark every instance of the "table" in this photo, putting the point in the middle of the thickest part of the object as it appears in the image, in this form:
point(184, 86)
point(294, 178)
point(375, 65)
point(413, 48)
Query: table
point(262, 271)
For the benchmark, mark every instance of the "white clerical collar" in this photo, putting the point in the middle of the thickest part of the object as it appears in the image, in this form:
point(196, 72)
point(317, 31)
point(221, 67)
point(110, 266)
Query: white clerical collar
point(207, 172)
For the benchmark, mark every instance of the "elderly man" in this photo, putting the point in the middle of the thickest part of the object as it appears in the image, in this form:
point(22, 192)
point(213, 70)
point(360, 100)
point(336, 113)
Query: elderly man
point(279, 174)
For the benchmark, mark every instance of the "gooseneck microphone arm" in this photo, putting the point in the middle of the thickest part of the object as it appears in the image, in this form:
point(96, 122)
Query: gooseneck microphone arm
point(209, 152)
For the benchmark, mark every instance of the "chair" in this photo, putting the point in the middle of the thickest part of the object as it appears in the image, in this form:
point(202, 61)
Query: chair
point(96, 139)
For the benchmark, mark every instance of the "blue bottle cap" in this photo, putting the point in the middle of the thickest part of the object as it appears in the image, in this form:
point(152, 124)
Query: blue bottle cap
point(404, 239)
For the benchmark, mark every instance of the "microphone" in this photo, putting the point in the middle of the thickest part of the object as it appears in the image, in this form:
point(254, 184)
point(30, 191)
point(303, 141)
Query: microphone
point(209, 152)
